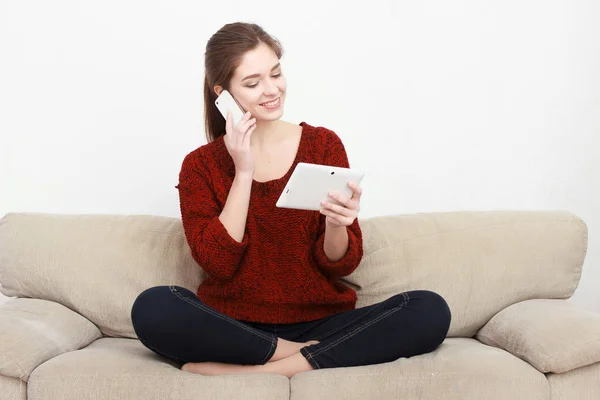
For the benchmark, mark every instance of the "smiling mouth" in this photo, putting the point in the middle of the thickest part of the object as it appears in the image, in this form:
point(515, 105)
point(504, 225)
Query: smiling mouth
point(272, 104)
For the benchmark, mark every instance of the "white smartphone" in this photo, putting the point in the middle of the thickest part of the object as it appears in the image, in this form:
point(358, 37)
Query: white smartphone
point(225, 102)
point(311, 183)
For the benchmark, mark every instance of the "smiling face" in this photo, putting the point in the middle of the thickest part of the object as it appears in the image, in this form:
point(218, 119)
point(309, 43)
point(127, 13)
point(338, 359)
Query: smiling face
point(258, 84)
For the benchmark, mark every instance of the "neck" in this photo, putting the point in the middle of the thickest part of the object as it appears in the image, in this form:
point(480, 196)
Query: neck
point(265, 132)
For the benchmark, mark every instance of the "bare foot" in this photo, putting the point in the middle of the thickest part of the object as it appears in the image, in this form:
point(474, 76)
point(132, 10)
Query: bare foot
point(216, 368)
point(288, 366)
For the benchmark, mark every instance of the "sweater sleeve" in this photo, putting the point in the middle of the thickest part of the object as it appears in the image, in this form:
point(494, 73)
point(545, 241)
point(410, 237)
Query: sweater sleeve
point(211, 245)
point(335, 155)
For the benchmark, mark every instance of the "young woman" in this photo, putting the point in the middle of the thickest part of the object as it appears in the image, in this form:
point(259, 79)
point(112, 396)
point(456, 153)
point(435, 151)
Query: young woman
point(271, 300)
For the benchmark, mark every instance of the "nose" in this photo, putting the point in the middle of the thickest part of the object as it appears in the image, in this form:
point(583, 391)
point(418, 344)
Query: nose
point(270, 88)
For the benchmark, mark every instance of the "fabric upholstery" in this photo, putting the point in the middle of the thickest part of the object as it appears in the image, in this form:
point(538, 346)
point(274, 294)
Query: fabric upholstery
point(12, 388)
point(459, 369)
point(479, 261)
point(578, 384)
point(94, 264)
point(552, 335)
point(112, 368)
point(33, 331)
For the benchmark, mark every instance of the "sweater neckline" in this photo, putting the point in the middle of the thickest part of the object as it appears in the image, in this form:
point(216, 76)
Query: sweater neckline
point(280, 182)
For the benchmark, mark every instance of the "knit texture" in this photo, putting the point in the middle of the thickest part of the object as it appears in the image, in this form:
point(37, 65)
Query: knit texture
point(279, 273)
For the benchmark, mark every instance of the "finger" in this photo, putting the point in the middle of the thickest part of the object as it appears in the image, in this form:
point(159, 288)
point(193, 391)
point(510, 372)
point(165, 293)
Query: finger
point(340, 198)
point(343, 211)
point(338, 219)
point(352, 204)
point(241, 121)
point(243, 128)
point(356, 190)
point(238, 137)
point(245, 117)
point(229, 122)
point(246, 141)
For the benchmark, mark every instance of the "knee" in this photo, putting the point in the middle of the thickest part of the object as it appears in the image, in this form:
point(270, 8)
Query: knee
point(431, 314)
point(437, 312)
point(146, 309)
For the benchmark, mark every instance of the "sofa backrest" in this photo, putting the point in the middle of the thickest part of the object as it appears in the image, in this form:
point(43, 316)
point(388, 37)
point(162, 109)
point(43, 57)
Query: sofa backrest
point(481, 262)
point(95, 265)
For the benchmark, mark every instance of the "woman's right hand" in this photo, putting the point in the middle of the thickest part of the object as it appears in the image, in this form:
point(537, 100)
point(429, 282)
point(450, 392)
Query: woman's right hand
point(237, 141)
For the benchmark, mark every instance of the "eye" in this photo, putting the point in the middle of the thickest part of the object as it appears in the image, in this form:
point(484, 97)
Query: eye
point(256, 84)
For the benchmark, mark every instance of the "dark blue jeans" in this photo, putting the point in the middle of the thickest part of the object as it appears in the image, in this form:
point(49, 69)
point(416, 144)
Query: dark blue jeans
point(173, 322)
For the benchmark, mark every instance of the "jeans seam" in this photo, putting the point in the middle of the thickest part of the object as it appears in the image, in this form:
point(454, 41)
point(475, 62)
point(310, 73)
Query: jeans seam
point(309, 357)
point(337, 329)
point(269, 353)
point(210, 311)
point(362, 327)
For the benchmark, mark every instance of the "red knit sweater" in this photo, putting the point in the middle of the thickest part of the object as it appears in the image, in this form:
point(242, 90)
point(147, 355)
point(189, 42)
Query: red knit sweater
point(279, 273)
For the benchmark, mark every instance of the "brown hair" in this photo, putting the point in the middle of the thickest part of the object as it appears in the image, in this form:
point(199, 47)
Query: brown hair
point(224, 52)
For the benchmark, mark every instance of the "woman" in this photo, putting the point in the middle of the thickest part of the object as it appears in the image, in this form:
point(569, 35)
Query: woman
point(272, 300)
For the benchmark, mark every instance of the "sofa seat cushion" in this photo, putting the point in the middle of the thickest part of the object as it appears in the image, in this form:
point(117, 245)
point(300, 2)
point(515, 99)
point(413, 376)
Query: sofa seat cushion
point(460, 368)
point(119, 368)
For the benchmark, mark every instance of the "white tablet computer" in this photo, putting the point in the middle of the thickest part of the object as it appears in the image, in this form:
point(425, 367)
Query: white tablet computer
point(311, 183)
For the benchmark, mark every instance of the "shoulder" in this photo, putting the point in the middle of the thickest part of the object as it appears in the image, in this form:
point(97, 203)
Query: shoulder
point(208, 156)
point(324, 145)
point(321, 135)
point(209, 162)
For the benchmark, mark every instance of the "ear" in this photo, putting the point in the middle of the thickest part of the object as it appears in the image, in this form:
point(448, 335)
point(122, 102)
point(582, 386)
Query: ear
point(218, 89)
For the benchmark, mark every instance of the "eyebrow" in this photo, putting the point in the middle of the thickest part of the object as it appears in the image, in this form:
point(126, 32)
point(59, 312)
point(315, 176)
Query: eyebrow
point(258, 75)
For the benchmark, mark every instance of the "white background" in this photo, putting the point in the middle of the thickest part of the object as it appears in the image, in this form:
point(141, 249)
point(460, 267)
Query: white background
point(448, 106)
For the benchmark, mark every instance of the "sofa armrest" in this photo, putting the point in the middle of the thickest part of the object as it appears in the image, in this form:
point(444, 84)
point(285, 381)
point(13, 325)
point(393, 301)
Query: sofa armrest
point(552, 335)
point(33, 331)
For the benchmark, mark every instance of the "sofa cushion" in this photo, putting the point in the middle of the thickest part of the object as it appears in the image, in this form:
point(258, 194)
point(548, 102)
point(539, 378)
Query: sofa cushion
point(552, 335)
point(459, 369)
point(578, 384)
point(119, 368)
point(479, 261)
point(33, 331)
point(12, 388)
point(94, 264)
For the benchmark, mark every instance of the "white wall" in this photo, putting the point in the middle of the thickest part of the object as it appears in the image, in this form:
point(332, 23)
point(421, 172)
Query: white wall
point(486, 104)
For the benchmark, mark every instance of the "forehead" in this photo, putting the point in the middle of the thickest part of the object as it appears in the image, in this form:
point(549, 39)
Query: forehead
point(257, 61)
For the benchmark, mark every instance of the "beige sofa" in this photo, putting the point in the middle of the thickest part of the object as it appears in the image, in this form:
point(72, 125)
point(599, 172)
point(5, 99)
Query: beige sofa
point(505, 275)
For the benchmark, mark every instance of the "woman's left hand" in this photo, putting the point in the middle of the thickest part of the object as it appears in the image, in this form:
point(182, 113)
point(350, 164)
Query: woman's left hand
point(346, 213)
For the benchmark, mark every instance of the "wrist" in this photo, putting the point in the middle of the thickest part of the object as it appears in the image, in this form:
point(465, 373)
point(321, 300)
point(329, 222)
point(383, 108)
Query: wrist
point(335, 243)
point(334, 228)
point(244, 175)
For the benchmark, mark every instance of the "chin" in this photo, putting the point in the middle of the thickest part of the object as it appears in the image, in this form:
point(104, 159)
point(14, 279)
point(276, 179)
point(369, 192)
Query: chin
point(270, 115)
point(273, 116)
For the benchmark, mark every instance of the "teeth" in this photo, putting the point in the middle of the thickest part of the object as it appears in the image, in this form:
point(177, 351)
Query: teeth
point(271, 103)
